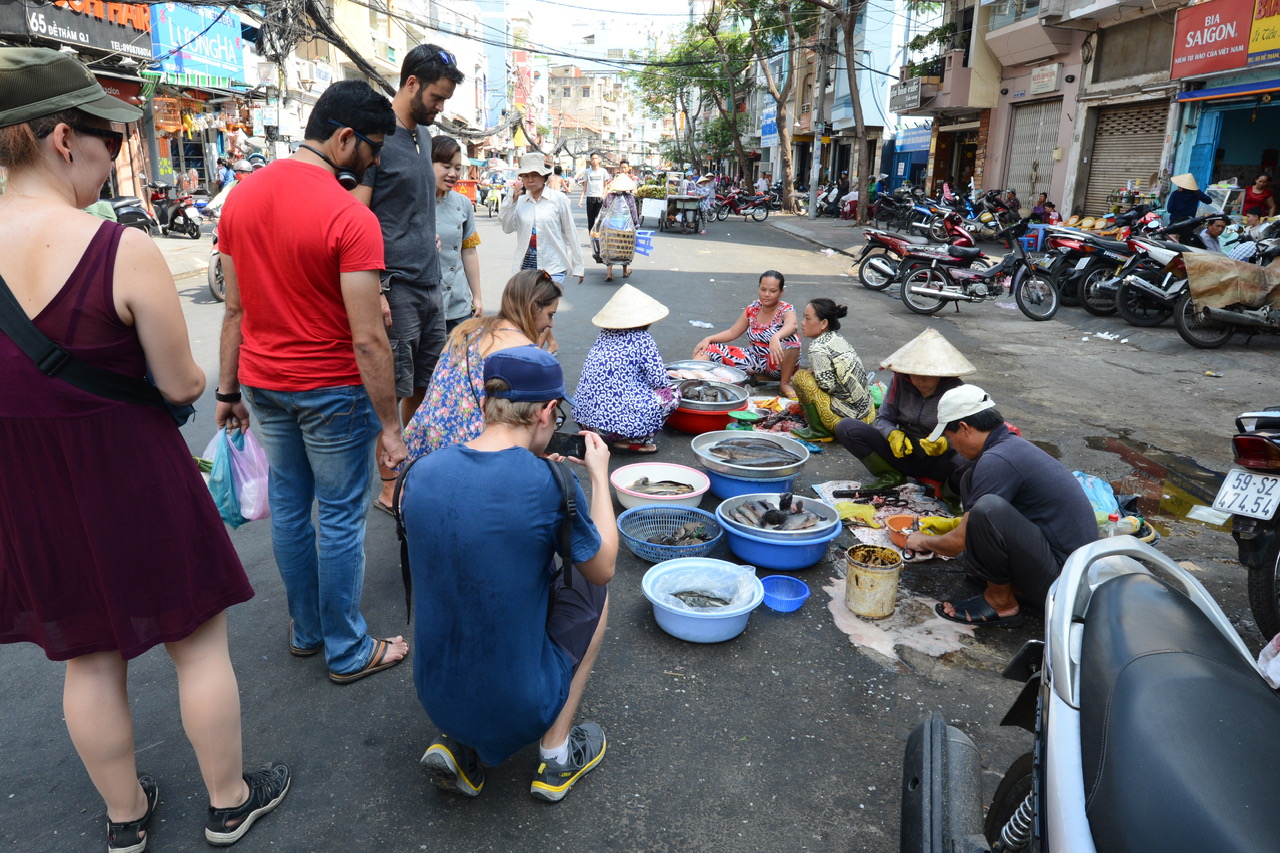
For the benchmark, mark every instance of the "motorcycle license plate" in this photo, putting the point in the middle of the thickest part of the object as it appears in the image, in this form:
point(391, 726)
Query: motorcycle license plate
point(1083, 262)
point(1248, 493)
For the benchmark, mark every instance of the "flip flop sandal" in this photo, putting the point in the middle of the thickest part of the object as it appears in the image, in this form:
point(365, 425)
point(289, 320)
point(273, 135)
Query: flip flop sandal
point(982, 613)
point(626, 271)
point(377, 663)
point(299, 651)
point(639, 449)
point(377, 504)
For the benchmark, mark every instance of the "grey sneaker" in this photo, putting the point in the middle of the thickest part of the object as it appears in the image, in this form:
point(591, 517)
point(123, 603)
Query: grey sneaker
point(586, 747)
point(267, 788)
point(453, 767)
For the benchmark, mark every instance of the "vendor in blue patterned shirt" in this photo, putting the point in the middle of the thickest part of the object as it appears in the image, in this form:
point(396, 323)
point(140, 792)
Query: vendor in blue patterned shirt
point(623, 393)
point(835, 385)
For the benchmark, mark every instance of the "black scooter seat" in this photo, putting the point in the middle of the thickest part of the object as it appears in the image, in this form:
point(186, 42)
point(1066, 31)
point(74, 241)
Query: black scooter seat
point(963, 252)
point(1113, 245)
point(125, 201)
point(1179, 734)
point(1171, 244)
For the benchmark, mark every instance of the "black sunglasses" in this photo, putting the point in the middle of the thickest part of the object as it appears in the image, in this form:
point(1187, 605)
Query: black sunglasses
point(113, 139)
point(561, 417)
point(375, 146)
point(444, 57)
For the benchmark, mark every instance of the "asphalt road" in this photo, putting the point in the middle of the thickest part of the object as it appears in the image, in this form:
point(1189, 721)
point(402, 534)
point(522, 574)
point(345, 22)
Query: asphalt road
point(787, 738)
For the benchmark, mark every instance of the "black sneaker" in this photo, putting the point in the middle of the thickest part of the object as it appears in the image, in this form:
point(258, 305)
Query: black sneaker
point(453, 767)
point(128, 837)
point(586, 748)
point(267, 788)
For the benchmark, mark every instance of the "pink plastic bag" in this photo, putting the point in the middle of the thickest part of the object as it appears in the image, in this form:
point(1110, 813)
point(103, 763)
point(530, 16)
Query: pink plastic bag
point(251, 472)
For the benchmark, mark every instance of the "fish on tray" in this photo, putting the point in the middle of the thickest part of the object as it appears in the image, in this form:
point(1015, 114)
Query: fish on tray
point(692, 533)
point(705, 392)
point(789, 514)
point(753, 452)
point(716, 374)
point(700, 600)
point(661, 488)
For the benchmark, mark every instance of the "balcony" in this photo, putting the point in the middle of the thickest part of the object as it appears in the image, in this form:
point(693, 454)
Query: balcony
point(1005, 12)
point(947, 86)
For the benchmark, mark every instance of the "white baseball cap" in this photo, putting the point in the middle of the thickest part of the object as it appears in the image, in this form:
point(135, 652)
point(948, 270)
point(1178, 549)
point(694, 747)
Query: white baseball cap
point(960, 403)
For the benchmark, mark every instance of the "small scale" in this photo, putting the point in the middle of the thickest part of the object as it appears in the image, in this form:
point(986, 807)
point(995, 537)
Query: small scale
point(743, 419)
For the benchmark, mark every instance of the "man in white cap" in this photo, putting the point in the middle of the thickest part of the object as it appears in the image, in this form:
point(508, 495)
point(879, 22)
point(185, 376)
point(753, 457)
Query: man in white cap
point(1025, 512)
point(896, 444)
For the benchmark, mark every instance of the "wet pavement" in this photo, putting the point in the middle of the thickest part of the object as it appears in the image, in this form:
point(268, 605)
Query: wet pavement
point(788, 737)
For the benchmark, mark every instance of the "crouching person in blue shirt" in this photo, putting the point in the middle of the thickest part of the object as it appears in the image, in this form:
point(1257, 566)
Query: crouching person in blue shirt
point(508, 643)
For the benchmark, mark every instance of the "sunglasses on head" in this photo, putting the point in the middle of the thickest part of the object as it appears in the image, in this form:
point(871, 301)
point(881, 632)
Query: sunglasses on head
point(376, 146)
point(113, 139)
point(444, 57)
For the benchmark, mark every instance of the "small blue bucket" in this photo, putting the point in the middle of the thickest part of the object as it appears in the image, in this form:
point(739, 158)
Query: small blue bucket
point(784, 593)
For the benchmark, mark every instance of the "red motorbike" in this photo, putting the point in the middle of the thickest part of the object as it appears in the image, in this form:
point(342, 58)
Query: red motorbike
point(741, 204)
point(889, 257)
point(175, 210)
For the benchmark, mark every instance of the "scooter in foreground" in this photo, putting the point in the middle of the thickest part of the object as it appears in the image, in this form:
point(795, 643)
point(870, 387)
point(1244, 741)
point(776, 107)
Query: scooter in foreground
point(1153, 728)
point(1251, 493)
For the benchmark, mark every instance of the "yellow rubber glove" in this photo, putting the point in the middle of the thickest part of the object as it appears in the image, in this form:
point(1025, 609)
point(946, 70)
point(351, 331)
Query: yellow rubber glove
point(899, 443)
point(934, 448)
point(863, 515)
point(936, 525)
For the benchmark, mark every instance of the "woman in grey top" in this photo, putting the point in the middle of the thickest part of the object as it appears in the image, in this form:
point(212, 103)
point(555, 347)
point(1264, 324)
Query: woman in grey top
point(456, 227)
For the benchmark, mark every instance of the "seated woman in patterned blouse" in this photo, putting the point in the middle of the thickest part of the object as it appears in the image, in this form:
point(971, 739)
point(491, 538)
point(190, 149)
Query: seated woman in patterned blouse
point(623, 393)
point(835, 385)
point(773, 347)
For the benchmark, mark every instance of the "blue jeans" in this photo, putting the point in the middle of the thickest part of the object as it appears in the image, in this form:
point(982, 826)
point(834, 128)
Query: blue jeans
point(320, 444)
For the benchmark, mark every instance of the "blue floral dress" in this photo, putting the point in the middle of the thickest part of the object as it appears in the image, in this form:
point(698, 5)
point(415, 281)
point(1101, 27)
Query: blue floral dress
point(453, 411)
point(623, 392)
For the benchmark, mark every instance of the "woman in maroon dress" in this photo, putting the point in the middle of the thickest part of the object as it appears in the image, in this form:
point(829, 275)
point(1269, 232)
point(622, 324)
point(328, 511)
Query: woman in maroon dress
point(109, 541)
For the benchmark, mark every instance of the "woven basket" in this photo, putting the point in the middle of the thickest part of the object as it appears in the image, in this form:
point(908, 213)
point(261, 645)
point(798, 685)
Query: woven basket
point(638, 524)
point(617, 247)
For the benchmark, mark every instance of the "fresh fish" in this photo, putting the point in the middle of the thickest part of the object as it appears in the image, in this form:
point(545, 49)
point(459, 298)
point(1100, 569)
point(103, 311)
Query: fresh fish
point(645, 486)
point(705, 392)
point(763, 514)
point(700, 600)
point(692, 533)
point(754, 457)
point(798, 521)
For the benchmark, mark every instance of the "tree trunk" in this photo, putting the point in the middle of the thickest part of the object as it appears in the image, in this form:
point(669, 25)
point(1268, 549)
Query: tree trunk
point(848, 24)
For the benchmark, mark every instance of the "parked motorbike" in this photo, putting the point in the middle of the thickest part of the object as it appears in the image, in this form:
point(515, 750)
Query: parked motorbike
point(981, 222)
point(130, 211)
point(1153, 728)
point(888, 257)
point(1074, 255)
point(829, 201)
point(217, 286)
point(1205, 327)
point(740, 204)
point(174, 212)
point(927, 290)
point(1149, 252)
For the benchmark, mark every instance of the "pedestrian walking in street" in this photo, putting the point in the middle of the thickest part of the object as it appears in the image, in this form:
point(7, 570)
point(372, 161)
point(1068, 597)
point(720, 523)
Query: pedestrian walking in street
point(557, 181)
point(112, 543)
point(453, 411)
point(834, 386)
point(773, 347)
point(456, 228)
point(304, 336)
point(513, 641)
point(624, 394)
point(1024, 512)
point(896, 445)
point(542, 220)
point(613, 234)
point(593, 178)
point(401, 189)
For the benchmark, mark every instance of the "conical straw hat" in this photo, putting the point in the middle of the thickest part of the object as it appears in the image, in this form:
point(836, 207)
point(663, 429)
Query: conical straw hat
point(629, 308)
point(929, 354)
point(622, 184)
point(1185, 181)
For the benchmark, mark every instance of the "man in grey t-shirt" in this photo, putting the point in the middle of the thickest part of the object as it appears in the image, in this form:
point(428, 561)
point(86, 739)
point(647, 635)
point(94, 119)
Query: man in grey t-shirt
point(401, 190)
point(593, 179)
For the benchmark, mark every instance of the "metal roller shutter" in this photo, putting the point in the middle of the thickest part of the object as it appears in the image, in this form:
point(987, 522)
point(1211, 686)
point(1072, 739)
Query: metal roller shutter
point(1127, 146)
point(1034, 136)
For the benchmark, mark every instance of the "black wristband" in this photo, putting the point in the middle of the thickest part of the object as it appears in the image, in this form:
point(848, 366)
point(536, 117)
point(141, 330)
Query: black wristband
point(233, 397)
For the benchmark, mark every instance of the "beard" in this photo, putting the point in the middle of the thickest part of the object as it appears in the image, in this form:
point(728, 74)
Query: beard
point(421, 113)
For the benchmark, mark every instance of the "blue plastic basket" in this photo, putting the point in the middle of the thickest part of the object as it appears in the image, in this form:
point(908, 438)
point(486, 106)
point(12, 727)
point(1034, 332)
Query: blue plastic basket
point(784, 593)
point(638, 524)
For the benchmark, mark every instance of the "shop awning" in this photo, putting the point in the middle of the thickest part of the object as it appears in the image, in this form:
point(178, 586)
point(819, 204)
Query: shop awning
point(195, 80)
point(1241, 90)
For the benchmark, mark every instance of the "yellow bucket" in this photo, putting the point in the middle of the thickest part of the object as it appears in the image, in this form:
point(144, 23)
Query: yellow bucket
point(871, 585)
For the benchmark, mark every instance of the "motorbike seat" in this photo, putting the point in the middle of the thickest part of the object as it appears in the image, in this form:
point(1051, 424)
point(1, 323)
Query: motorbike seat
point(963, 252)
point(1179, 733)
point(1113, 245)
point(124, 201)
point(1169, 244)
point(908, 238)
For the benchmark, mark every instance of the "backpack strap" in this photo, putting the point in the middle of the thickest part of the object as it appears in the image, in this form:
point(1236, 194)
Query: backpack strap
point(569, 504)
point(405, 576)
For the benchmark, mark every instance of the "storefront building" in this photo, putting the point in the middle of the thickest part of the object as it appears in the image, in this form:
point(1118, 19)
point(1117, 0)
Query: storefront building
point(114, 40)
point(1228, 54)
point(911, 156)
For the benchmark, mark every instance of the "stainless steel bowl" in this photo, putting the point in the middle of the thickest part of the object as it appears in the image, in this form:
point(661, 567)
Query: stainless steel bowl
point(737, 396)
point(740, 376)
point(830, 518)
point(702, 444)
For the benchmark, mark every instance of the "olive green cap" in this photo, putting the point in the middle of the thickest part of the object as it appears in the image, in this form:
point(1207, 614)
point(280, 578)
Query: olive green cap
point(36, 81)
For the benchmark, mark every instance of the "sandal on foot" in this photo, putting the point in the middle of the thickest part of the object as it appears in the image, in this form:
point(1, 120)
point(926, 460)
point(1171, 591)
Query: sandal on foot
point(267, 787)
point(626, 271)
point(131, 836)
point(377, 504)
point(377, 662)
point(978, 611)
point(608, 278)
point(300, 651)
point(634, 447)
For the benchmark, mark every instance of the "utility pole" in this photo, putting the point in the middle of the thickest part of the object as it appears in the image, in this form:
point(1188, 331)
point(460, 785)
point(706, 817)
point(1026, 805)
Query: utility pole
point(816, 123)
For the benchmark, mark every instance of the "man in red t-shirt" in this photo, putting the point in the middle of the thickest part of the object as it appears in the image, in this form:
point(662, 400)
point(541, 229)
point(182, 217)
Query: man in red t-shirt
point(304, 339)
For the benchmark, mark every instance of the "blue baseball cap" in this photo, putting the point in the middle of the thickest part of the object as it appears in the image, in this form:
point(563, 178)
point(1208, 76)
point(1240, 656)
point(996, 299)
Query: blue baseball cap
point(533, 374)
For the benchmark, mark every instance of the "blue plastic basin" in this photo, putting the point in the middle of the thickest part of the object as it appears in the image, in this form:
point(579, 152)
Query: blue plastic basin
point(712, 626)
point(777, 555)
point(725, 486)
